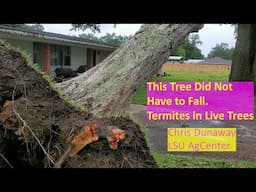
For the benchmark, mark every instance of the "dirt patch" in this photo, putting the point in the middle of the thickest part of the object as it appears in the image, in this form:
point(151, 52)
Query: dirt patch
point(54, 122)
point(208, 69)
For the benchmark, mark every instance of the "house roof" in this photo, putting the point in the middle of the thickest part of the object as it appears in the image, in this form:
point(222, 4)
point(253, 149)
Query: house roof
point(216, 60)
point(54, 36)
point(193, 61)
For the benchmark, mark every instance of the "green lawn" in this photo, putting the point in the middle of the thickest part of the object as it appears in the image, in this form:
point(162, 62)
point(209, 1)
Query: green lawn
point(190, 73)
point(178, 161)
point(186, 75)
point(140, 97)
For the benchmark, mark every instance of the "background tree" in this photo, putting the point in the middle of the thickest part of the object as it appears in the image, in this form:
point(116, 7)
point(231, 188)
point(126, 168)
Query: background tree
point(195, 39)
point(93, 27)
point(222, 50)
point(90, 36)
point(244, 60)
point(180, 51)
point(114, 39)
point(189, 49)
point(36, 27)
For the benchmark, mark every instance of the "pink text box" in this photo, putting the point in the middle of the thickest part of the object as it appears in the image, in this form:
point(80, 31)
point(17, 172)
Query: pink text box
point(239, 100)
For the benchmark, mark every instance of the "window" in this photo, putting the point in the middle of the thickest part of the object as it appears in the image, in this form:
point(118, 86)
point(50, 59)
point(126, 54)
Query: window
point(60, 55)
point(54, 55)
point(66, 56)
point(38, 53)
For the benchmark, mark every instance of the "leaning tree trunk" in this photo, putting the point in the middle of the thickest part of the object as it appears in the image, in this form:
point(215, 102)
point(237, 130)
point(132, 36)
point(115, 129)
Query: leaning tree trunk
point(107, 88)
point(244, 59)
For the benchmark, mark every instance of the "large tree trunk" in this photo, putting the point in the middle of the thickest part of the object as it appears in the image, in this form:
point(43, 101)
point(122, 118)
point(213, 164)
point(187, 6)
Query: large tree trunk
point(106, 89)
point(244, 59)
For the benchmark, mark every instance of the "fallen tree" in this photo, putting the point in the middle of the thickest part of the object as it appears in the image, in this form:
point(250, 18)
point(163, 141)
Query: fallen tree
point(39, 128)
point(107, 88)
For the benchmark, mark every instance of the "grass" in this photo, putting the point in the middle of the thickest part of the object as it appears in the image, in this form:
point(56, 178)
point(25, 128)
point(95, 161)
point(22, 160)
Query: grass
point(189, 72)
point(186, 72)
point(178, 161)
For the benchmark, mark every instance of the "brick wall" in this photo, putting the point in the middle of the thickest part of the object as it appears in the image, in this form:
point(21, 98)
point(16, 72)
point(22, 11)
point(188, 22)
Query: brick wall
point(46, 65)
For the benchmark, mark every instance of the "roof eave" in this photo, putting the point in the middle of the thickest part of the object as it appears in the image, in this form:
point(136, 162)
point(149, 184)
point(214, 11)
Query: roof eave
point(22, 33)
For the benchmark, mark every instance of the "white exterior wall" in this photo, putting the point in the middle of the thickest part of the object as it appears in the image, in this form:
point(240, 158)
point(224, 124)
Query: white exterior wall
point(78, 53)
point(26, 46)
point(78, 57)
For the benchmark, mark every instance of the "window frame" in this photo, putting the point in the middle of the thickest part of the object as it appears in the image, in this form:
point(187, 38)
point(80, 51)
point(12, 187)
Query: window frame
point(60, 55)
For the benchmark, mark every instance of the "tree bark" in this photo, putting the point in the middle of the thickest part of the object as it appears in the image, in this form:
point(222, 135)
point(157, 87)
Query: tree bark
point(107, 89)
point(244, 59)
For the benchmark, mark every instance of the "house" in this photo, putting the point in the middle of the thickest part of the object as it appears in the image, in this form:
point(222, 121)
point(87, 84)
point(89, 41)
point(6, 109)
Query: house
point(193, 61)
point(176, 59)
point(52, 50)
point(216, 61)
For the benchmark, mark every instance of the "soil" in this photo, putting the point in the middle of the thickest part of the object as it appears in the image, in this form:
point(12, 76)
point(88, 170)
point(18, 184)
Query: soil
point(55, 123)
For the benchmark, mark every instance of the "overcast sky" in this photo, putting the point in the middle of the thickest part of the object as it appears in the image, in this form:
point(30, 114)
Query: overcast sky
point(210, 35)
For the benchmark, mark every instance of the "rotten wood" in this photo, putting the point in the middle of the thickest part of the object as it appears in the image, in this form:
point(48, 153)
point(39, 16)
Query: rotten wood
point(89, 134)
point(7, 116)
point(116, 136)
point(86, 136)
point(92, 132)
point(9, 120)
